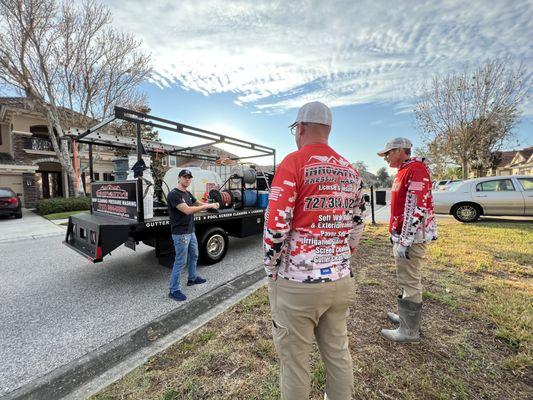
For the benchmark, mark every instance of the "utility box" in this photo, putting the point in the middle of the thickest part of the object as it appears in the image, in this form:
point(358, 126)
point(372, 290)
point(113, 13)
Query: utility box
point(381, 197)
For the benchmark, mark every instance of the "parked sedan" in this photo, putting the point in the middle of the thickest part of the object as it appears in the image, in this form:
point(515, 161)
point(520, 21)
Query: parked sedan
point(495, 195)
point(10, 203)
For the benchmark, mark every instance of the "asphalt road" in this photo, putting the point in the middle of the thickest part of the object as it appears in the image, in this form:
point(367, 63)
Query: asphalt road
point(56, 306)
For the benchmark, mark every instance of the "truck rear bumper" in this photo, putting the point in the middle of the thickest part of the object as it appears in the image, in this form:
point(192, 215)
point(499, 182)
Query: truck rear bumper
point(80, 252)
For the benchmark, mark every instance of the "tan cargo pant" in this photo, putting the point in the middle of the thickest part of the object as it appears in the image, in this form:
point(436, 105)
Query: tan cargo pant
point(408, 272)
point(302, 312)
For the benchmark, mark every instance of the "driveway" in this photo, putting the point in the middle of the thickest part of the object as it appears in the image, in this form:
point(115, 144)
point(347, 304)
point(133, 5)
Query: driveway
point(31, 226)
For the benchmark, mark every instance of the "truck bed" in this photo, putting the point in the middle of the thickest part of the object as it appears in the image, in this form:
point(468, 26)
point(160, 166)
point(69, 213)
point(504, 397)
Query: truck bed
point(95, 235)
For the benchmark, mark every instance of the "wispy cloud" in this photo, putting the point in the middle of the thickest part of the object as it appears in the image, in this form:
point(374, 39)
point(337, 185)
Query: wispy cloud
point(274, 55)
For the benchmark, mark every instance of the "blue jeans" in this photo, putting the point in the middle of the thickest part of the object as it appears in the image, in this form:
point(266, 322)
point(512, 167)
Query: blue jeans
point(186, 249)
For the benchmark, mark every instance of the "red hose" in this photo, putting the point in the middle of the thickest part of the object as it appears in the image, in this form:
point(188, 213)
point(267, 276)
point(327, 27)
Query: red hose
point(226, 199)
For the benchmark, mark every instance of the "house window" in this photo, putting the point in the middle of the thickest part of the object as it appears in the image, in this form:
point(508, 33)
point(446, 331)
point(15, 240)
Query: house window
point(500, 185)
point(164, 161)
point(171, 161)
point(96, 176)
point(108, 177)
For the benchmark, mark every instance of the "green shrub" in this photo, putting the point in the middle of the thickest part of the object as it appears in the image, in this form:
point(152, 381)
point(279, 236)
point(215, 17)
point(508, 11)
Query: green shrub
point(60, 204)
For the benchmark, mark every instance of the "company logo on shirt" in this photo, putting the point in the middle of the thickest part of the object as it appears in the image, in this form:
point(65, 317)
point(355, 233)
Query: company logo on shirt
point(330, 160)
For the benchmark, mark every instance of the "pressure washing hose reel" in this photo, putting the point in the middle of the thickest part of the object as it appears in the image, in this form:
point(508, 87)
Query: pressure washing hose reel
point(224, 198)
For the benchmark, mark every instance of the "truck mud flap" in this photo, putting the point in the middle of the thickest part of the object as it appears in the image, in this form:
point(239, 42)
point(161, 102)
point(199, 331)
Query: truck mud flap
point(95, 236)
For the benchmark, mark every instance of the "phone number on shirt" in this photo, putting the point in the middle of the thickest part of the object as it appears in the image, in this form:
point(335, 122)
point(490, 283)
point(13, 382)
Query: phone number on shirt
point(313, 203)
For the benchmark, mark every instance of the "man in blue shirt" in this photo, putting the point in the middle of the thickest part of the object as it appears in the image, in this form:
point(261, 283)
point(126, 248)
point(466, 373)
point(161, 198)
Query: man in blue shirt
point(181, 208)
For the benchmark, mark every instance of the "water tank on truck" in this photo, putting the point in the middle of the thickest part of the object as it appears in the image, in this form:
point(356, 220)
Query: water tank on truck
point(203, 181)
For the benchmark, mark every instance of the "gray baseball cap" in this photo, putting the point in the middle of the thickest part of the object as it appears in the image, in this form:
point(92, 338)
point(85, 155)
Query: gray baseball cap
point(396, 143)
point(315, 112)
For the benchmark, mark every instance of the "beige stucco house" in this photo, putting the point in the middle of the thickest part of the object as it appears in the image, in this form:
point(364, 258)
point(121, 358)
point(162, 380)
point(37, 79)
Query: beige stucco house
point(515, 162)
point(28, 163)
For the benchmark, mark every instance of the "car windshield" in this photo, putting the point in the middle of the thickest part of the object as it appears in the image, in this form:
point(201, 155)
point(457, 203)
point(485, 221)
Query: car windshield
point(452, 187)
point(6, 193)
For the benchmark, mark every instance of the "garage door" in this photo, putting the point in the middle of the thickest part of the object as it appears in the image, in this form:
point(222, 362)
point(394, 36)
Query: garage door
point(14, 182)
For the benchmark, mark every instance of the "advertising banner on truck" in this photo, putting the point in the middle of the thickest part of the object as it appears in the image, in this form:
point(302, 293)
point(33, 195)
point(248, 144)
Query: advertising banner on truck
point(118, 199)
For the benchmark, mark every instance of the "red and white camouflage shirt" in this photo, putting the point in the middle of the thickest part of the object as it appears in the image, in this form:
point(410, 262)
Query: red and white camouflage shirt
point(315, 216)
point(412, 218)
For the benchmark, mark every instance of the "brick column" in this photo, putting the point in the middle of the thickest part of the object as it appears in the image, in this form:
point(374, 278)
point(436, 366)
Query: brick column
point(31, 190)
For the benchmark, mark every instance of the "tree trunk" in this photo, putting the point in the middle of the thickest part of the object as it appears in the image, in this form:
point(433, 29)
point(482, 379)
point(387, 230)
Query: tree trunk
point(465, 169)
point(62, 152)
point(66, 186)
point(67, 167)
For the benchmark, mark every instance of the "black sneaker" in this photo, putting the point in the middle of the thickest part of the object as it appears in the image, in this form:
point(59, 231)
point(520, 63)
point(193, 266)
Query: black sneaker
point(197, 281)
point(177, 295)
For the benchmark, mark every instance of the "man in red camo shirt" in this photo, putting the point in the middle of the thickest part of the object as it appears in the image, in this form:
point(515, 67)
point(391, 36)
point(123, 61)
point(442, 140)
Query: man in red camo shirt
point(312, 227)
point(412, 225)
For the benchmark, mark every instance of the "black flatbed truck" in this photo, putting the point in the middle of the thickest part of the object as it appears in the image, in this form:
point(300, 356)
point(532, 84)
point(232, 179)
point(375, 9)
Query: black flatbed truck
point(97, 234)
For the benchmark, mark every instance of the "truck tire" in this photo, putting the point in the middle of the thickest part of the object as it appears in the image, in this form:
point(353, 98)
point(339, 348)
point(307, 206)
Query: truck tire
point(213, 245)
point(466, 212)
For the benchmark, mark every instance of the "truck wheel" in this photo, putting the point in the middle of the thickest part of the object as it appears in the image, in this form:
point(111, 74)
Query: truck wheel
point(466, 212)
point(213, 245)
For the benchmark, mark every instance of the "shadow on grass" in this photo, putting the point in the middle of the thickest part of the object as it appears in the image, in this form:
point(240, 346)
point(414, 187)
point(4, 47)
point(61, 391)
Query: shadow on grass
point(506, 220)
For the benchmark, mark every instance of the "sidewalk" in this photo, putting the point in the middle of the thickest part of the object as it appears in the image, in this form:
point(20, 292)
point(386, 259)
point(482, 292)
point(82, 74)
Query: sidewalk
point(31, 226)
point(381, 214)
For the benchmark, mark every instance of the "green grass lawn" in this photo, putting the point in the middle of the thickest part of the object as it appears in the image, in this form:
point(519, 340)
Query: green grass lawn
point(477, 328)
point(63, 215)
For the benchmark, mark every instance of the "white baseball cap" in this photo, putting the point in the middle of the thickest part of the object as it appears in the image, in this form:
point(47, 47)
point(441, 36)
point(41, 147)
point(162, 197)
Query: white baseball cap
point(315, 112)
point(396, 143)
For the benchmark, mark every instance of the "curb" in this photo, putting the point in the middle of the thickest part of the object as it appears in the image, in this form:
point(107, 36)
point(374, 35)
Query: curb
point(66, 379)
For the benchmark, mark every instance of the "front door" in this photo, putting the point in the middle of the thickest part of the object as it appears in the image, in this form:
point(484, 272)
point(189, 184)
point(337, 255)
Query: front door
point(51, 184)
point(499, 197)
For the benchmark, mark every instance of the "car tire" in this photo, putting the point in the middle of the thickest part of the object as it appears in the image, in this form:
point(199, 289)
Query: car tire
point(213, 245)
point(466, 212)
point(18, 215)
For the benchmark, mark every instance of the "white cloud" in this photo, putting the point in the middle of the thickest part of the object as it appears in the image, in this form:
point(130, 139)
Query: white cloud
point(275, 55)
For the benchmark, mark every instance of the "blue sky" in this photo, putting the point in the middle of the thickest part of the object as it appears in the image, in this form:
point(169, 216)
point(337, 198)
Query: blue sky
point(242, 68)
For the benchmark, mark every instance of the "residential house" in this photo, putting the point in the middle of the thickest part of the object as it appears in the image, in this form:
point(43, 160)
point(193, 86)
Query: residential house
point(522, 162)
point(515, 162)
point(28, 163)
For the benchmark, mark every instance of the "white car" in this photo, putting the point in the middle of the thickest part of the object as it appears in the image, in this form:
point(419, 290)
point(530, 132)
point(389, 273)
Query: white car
point(491, 195)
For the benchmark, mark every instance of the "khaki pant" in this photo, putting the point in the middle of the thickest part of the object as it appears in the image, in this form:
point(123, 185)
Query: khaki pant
point(408, 272)
point(302, 312)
